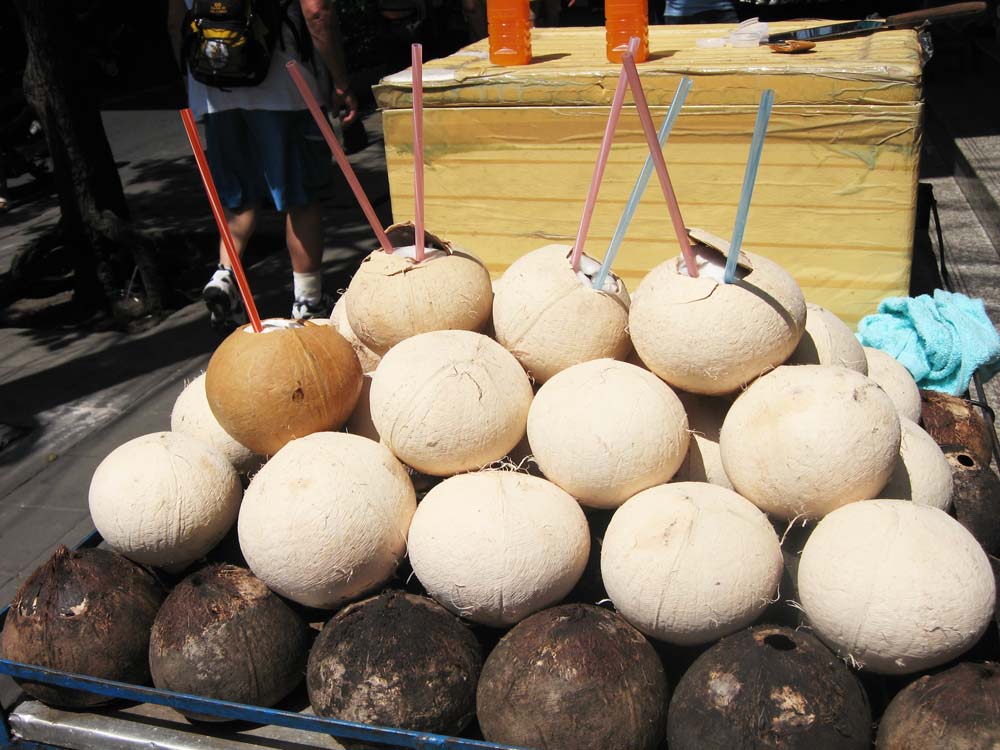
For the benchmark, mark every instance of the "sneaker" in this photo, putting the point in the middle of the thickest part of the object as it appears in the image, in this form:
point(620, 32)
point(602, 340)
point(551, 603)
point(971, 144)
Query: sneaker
point(305, 309)
point(222, 298)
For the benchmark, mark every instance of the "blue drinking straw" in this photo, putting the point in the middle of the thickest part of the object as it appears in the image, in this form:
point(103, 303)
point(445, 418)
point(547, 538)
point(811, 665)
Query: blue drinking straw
point(640, 185)
point(753, 161)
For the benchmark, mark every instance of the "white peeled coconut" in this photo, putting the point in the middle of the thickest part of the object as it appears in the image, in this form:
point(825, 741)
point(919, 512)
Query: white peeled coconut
point(703, 462)
point(360, 422)
point(369, 360)
point(551, 317)
point(895, 587)
point(895, 380)
point(193, 416)
point(164, 499)
point(449, 401)
point(393, 297)
point(496, 546)
point(604, 430)
point(806, 439)
point(828, 340)
point(705, 336)
point(325, 520)
point(922, 473)
point(688, 563)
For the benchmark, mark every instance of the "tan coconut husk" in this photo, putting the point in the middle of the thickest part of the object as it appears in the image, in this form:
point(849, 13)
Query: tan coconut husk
point(827, 340)
point(293, 379)
point(393, 297)
point(338, 318)
point(705, 336)
point(551, 318)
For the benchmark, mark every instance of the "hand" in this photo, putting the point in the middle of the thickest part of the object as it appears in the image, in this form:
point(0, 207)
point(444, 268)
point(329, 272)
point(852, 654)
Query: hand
point(345, 104)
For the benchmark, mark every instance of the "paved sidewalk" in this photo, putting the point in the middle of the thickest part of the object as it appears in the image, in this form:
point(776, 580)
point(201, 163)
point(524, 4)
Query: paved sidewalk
point(70, 395)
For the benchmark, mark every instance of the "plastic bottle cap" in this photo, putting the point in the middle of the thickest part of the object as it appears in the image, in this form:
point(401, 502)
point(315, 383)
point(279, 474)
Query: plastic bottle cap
point(744, 39)
point(713, 42)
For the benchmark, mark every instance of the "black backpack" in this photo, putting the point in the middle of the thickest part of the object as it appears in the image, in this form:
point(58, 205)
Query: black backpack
point(229, 43)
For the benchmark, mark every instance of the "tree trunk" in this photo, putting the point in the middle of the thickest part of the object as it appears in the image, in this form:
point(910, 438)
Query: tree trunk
point(95, 220)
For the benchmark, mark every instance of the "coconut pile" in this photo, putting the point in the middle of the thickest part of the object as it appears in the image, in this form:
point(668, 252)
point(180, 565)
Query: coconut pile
point(550, 516)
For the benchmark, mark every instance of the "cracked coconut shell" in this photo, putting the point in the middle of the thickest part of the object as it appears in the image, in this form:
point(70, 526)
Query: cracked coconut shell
point(704, 336)
point(551, 318)
point(393, 297)
point(292, 379)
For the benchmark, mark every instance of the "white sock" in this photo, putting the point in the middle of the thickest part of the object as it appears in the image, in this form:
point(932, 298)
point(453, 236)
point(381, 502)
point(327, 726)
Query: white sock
point(308, 285)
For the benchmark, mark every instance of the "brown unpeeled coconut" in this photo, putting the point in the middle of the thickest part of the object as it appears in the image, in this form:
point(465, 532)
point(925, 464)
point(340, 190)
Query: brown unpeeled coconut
point(551, 317)
point(806, 439)
point(193, 416)
point(393, 297)
point(827, 340)
point(704, 336)
point(369, 360)
point(895, 380)
point(604, 430)
point(291, 380)
point(703, 462)
point(449, 401)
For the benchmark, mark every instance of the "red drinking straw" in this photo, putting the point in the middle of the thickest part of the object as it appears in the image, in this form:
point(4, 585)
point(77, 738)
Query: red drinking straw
point(220, 219)
point(417, 77)
point(602, 161)
point(628, 64)
point(338, 153)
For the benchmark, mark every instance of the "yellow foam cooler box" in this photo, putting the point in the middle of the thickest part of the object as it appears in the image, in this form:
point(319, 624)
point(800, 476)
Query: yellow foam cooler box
point(509, 153)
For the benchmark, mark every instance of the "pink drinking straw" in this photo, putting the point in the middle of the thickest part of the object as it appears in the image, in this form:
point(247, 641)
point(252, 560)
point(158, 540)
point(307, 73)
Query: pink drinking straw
point(602, 161)
point(628, 65)
point(417, 76)
point(220, 219)
point(338, 153)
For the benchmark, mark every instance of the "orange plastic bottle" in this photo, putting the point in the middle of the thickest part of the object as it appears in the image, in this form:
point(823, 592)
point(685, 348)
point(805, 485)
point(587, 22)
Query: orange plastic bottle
point(624, 19)
point(510, 31)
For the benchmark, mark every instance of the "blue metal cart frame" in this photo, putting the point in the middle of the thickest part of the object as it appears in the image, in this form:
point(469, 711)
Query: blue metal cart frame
point(227, 710)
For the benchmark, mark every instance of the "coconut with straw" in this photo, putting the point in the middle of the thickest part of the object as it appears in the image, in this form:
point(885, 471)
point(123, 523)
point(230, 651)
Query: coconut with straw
point(713, 331)
point(416, 282)
point(274, 380)
point(552, 290)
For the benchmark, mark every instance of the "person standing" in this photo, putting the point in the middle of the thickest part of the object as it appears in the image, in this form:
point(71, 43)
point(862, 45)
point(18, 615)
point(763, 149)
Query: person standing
point(700, 11)
point(262, 143)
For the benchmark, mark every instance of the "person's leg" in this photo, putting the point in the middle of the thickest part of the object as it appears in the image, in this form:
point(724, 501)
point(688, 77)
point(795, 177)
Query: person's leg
point(304, 235)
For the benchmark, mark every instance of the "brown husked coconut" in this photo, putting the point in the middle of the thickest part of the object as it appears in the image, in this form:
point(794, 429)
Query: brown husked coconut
point(703, 462)
point(704, 336)
point(769, 687)
point(223, 634)
point(550, 316)
point(366, 357)
point(326, 519)
point(497, 546)
point(193, 416)
point(922, 473)
point(293, 379)
point(393, 297)
point(573, 677)
point(688, 563)
point(953, 421)
point(88, 612)
point(806, 439)
point(895, 380)
point(164, 499)
point(396, 660)
point(976, 498)
point(895, 587)
point(449, 401)
point(958, 708)
point(604, 430)
point(828, 341)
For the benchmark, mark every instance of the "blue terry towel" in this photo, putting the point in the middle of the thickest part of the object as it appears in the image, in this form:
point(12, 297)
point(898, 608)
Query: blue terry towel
point(942, 340)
